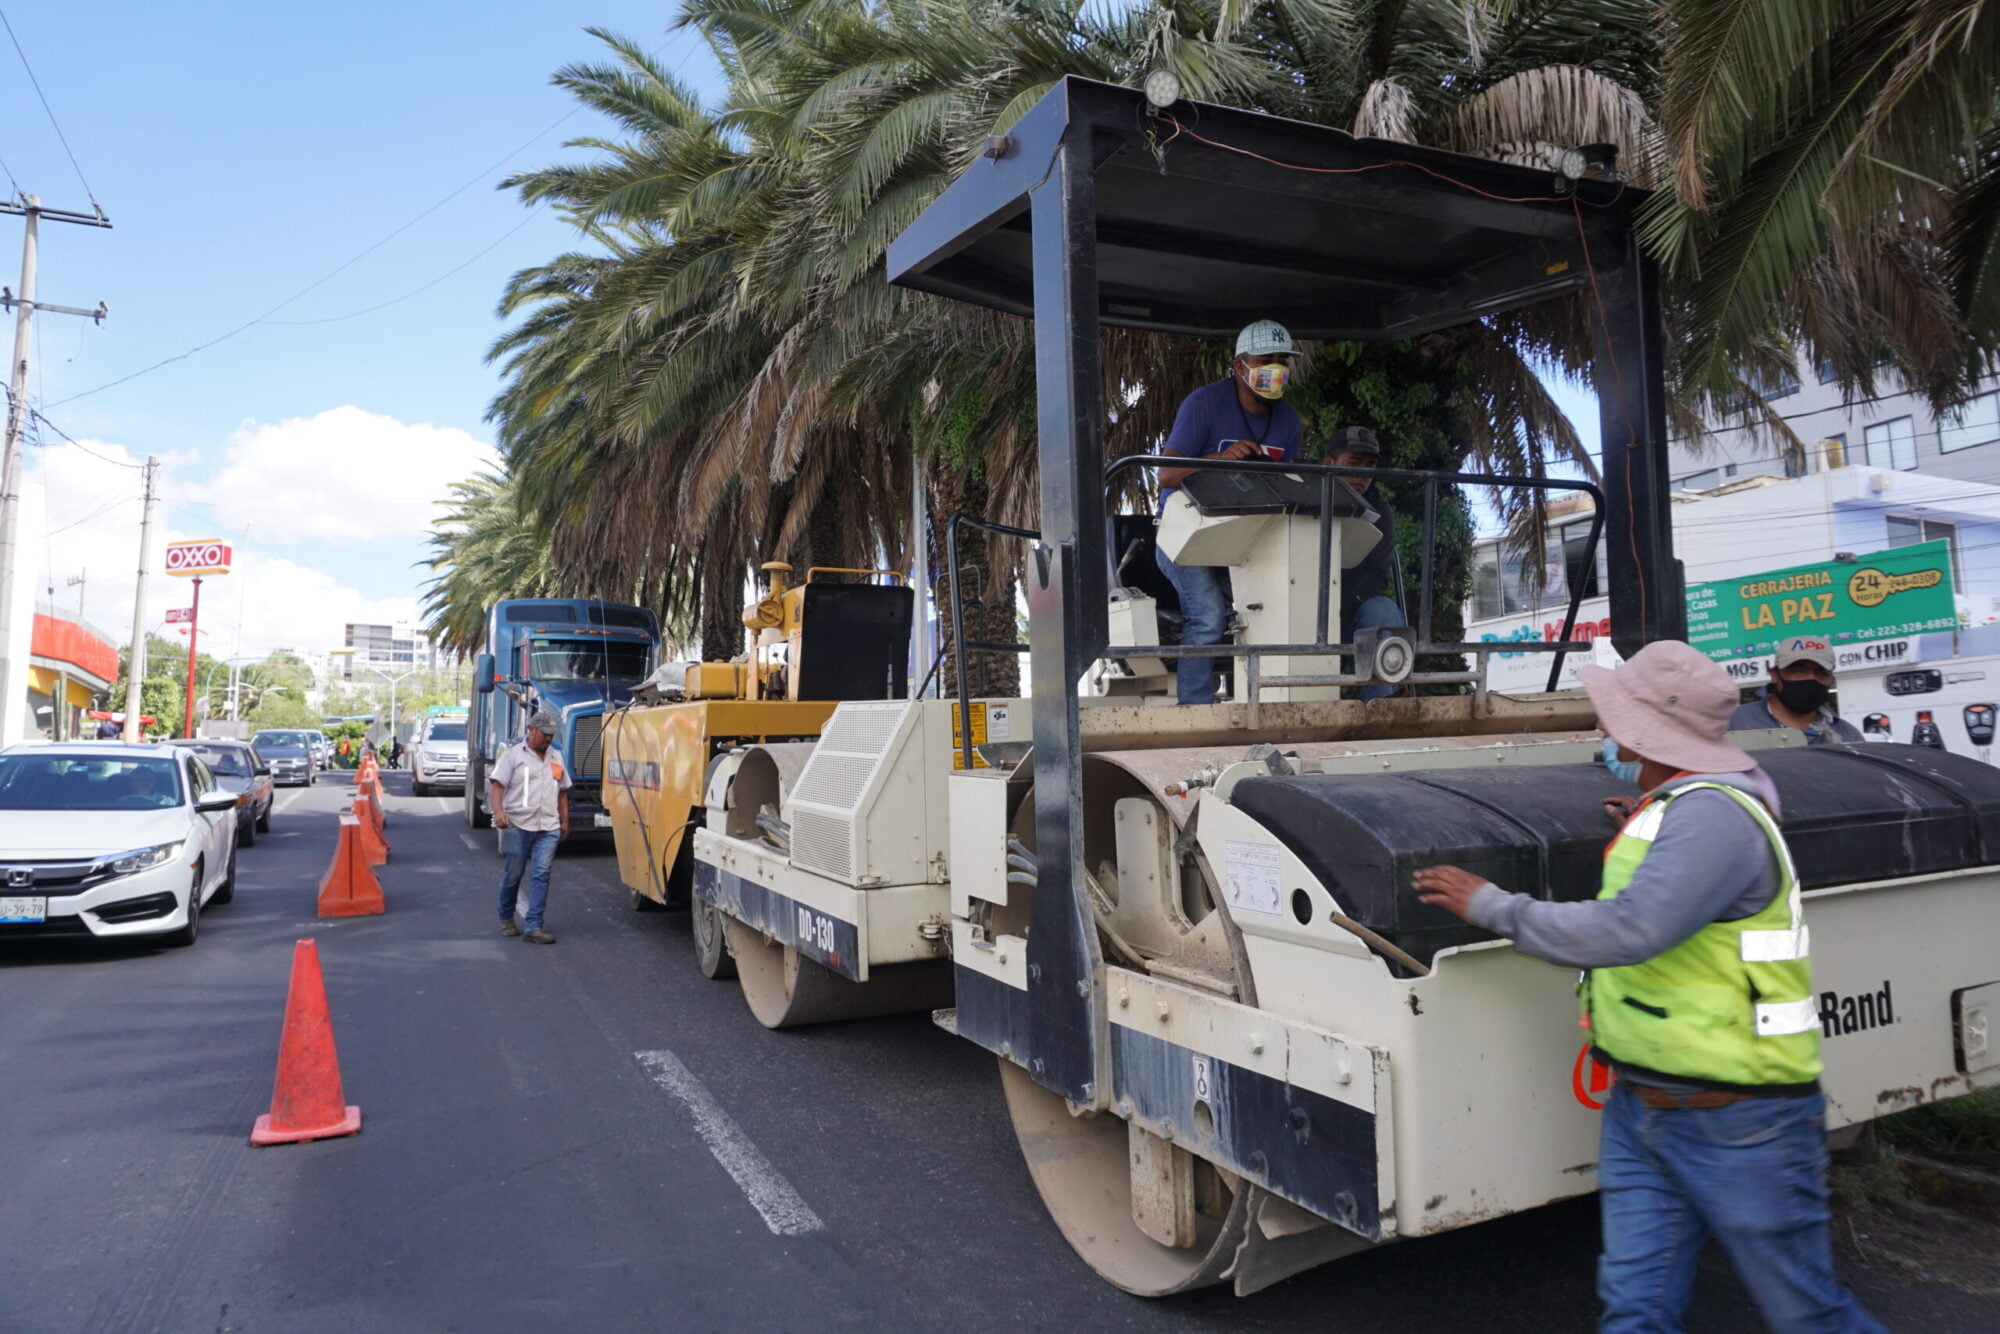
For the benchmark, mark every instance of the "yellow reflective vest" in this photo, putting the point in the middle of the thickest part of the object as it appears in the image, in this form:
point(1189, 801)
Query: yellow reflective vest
point(1732, 1005)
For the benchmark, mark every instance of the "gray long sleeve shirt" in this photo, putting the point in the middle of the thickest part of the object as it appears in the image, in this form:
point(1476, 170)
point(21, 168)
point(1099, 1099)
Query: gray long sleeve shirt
point(1709, 862)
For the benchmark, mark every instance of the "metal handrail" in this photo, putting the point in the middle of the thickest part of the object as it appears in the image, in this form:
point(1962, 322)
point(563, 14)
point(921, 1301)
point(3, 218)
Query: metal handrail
point(1322, 644)
point(958, 640)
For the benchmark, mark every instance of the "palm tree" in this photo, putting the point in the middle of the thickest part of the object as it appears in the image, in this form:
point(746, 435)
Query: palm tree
point(725, 377)
point(483, 550)
point(1833, 190)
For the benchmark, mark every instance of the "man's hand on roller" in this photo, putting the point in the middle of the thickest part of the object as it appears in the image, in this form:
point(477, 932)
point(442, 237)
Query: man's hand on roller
point(1447, 887)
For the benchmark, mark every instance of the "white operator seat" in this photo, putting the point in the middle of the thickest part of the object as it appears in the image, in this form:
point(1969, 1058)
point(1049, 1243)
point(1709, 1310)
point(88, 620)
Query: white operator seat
point(1264, 526)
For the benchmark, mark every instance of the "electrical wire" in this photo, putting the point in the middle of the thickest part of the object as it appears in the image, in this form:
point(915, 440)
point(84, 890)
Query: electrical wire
point(52, 116)
point(419, 291)
point(34, 414)
point(265, 318)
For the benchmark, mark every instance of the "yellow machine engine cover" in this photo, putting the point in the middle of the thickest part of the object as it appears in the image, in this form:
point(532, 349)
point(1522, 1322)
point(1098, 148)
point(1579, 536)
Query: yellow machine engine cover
point(656, 765)
point(715, 680)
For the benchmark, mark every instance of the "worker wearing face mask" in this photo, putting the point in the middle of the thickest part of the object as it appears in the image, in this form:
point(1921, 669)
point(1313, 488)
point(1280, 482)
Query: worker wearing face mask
point(1242, 417)
point(1698, 992)
point(1801, 682)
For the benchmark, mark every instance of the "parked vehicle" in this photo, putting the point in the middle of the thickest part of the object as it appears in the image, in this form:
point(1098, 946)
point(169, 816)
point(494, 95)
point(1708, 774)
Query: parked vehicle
point(112, 841)
point(289, 753)
point(322, 748)
point(574, 657)
point(240, 769)
point(437, 756)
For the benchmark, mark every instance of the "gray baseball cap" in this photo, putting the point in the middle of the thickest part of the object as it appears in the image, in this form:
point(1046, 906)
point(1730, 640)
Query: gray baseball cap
point(544, 722)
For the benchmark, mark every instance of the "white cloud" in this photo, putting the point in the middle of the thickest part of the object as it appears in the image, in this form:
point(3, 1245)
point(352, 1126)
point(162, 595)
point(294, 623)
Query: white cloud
point(81, 514)
point(342, 475)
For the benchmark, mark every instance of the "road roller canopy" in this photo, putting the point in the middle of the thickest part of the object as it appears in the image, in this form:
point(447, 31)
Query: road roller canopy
point(1208, 218)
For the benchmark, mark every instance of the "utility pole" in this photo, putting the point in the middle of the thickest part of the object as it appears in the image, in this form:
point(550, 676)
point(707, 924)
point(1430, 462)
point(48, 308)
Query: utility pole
point(136, 667)
point(194, 647)
point(13, 651)
point(80, 581)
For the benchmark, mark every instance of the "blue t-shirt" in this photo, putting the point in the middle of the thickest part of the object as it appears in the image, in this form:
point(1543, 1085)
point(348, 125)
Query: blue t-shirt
point(1211, 419)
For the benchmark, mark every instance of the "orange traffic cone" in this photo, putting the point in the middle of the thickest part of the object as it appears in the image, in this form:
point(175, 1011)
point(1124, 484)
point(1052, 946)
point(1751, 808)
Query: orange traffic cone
point(372, 794)
point(349, 888)
point(368, 814)
point(307, 1101)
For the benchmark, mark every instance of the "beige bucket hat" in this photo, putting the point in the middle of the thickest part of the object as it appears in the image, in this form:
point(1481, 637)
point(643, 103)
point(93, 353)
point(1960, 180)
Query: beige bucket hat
point(1670, 704)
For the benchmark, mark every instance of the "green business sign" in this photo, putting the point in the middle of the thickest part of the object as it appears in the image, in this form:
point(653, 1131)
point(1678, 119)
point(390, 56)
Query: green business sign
point(1906, 591)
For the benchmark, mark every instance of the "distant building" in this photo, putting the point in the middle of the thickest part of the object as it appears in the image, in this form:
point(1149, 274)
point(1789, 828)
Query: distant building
point(1892, 432)
point(389, 648)
point(71, 670)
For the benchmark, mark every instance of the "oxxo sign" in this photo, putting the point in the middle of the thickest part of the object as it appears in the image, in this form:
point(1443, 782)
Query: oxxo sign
point(198, 558)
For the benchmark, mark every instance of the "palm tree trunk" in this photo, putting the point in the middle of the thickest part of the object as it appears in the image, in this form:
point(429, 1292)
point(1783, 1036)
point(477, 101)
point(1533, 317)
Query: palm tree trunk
point(721, 607)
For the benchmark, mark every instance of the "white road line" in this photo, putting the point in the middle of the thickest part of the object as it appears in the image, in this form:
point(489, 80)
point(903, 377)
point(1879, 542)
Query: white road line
point(282, 802)
point(446, 805)
point(470, 841)
point(784, 1212)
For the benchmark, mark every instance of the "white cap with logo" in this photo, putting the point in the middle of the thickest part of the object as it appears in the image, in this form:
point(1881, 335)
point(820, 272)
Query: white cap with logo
point(1805, 648)
point(1265, 338)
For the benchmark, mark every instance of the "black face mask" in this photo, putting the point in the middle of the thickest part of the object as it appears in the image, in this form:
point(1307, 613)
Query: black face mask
point(1806, 696)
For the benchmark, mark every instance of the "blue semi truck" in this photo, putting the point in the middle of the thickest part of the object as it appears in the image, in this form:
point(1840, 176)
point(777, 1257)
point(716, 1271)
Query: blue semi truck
point(574, 657)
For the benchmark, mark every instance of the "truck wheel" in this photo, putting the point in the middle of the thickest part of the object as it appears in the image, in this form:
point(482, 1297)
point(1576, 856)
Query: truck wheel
point(475, 778)
point(419, 789)
point(711, 942)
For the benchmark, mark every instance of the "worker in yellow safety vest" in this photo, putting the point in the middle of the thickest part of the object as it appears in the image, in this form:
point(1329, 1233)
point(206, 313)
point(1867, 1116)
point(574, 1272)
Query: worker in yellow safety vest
point(1698, 993)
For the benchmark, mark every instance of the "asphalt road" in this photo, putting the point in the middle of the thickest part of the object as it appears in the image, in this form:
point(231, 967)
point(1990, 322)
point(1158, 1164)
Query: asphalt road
point(529, 1161)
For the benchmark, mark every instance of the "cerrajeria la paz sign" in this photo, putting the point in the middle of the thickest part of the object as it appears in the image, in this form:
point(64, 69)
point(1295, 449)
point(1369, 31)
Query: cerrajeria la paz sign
point(1904, 591)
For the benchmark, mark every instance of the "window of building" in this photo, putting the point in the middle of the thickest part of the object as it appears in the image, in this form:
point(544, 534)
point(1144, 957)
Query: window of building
point(1698, 481)
point(1827, 374)
point(1890, 444)
point(1503, 582)
point(1907, 530)
point(1977, 422)
point(1729, 470)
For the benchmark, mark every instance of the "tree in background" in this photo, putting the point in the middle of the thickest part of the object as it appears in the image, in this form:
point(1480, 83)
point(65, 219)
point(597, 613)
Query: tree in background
point(723, 376)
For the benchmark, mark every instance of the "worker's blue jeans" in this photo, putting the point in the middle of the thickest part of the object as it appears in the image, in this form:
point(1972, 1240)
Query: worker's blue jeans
point(1753, 1176)
point(1373, 614)
point(532, 852)
point(1204, 593)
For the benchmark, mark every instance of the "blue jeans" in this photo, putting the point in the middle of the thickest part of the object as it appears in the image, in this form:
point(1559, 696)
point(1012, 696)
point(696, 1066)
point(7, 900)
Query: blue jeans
point(1204, 593)
point(1753, 1176)
point(1373, 614)
point(533, 852)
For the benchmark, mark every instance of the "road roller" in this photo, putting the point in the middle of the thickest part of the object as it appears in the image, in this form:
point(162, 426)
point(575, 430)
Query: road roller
point(836, 634)
point(1232, 1044)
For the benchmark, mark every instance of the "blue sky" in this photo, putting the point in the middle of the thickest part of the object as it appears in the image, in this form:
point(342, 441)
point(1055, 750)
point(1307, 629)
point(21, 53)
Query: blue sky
point(243, 151)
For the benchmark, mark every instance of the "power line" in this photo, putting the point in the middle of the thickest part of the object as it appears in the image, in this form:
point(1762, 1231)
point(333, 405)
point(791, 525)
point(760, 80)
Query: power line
point(475, 179)
point(334, 272)
point(417, 291)
point(38, 417)
point(88, 192)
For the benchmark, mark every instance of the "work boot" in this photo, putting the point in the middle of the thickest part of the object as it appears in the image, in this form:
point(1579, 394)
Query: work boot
point(507, 928)
point(539, 937)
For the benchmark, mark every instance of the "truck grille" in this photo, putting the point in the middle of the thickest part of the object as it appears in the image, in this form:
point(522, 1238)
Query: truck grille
point(587, 746)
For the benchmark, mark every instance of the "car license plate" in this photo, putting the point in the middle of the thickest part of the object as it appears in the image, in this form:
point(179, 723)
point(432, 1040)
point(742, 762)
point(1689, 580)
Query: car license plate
point(601, 820)
point(20, 909)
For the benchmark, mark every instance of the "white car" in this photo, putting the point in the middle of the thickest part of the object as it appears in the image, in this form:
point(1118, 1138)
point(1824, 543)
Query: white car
point(111, 841)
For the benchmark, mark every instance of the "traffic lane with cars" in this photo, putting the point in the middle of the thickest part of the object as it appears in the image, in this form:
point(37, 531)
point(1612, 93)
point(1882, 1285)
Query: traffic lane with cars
point(587, 1135)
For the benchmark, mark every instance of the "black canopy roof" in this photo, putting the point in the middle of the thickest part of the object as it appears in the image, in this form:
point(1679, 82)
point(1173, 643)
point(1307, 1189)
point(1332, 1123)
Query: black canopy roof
point(1209, 217)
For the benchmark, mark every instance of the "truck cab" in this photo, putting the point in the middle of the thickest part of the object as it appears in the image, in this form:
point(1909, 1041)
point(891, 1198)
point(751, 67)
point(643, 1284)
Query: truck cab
point(575, 658)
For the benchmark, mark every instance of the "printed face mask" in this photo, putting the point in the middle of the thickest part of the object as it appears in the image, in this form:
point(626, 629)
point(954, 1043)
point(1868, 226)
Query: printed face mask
point(1806, 696)
point(1625, 771)
point(1268, 381)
